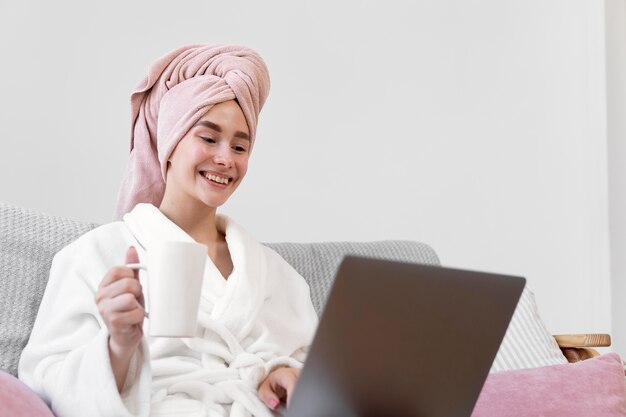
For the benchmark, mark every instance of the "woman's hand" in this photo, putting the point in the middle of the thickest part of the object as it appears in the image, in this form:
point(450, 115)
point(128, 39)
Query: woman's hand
point(278, 386)
point(121, 305)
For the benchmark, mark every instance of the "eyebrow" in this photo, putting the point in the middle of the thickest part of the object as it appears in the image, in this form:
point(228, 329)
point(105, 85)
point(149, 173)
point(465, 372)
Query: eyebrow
point(217, 128)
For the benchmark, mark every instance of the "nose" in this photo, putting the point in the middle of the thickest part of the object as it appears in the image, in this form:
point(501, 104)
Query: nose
point(223, 157)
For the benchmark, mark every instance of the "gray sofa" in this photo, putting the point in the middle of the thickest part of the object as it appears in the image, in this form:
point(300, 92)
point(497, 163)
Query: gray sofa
point(29, 240)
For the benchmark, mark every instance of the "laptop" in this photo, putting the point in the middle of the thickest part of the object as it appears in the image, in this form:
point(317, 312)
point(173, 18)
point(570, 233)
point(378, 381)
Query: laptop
point(401, 339)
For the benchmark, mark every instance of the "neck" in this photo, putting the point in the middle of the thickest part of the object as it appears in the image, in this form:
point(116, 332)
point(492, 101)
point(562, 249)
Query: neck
point(198, 221)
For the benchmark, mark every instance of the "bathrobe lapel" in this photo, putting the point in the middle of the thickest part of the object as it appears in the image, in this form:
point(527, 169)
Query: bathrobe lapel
point(231, 303)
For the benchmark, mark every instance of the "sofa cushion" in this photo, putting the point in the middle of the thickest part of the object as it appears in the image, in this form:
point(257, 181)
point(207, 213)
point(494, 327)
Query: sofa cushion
point(28, 242)
point(527, 342)
point(17, 400)
point(595, 387)
point(318, 262)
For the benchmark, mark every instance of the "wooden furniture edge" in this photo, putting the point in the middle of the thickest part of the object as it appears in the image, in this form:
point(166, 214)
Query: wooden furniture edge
point(583, 340)
point(578, 347)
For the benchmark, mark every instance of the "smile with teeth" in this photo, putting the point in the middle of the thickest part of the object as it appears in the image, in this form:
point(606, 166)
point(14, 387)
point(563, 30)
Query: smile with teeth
point(216, 178)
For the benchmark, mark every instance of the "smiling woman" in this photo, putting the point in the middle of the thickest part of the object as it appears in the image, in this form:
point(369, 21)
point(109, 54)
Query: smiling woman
point(194, 123)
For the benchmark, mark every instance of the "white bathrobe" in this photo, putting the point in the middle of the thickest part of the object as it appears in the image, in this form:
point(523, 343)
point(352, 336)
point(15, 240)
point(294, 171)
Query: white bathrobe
point(260, 318)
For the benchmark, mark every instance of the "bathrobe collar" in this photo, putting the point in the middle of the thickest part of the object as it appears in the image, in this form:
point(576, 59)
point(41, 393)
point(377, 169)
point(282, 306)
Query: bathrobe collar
point(233, 302)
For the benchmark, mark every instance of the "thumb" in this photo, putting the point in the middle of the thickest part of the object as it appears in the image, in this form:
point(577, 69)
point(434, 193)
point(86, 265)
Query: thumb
point(268, 396)
point(132, 258)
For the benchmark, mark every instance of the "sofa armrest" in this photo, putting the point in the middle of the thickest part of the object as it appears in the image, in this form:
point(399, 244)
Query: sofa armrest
point(578, 347)
point(582, 340)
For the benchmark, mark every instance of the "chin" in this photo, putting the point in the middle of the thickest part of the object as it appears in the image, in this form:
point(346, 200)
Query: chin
point(213, 202)
point(214, 199)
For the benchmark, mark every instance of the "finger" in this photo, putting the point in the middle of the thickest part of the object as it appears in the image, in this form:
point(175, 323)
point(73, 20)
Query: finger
point(119, 272)
point(132, 258)
point(110, 309)
point(122, 303)
point(116, 308)
point(113, 275)
point(116, 273)
point(125, 322)
point(289, 387)
point(285, 382)
point(128, 302)
point(267, 395)
point(121, 286)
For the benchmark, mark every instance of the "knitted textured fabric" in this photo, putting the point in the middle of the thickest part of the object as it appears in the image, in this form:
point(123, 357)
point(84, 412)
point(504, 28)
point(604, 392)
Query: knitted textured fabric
point(318, 262)
point(28, 242)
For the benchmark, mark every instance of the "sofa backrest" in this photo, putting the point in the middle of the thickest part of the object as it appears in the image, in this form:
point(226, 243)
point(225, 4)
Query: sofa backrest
point(318, 262)
point(29, 240)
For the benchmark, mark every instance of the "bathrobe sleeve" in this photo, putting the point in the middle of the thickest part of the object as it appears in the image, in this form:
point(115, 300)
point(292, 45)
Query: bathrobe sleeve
point(66, 360)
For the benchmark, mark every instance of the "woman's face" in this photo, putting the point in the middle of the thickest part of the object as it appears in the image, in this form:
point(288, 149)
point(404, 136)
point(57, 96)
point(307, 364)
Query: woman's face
point(210, 161)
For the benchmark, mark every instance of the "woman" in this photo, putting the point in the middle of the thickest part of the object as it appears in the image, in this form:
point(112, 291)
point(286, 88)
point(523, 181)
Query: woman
point(194, 124)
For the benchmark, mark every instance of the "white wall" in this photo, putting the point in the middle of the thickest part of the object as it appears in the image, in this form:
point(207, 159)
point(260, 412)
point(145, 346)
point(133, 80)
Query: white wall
point(616, 129)
point(476, 126)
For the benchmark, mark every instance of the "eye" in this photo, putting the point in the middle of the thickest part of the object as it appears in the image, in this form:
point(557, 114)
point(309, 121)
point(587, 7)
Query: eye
point(207, 139)
point(239, 149)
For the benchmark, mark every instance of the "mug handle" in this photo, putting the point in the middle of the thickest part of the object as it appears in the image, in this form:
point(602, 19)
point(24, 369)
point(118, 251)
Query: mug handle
point(145, 268)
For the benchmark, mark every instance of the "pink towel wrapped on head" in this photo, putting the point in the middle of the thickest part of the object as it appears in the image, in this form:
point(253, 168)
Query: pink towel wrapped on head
point(179, 89)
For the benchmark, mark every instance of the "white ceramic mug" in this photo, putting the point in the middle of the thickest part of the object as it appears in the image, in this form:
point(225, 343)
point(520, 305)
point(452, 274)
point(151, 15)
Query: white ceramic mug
point(175, 272)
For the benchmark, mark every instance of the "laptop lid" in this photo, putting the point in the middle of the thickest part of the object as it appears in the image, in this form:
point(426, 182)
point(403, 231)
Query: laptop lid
point(400, 339)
